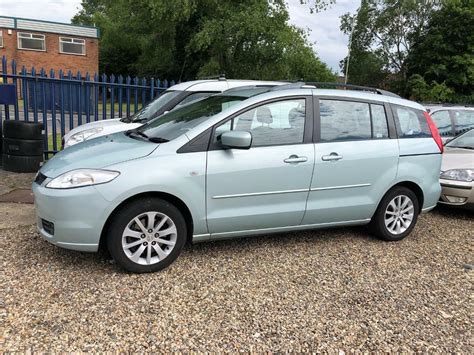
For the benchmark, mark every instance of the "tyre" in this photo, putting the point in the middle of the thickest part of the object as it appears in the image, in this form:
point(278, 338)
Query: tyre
point(146, 235)
point(22, 164)
point(396, 214)
point(22, 129)
point(24, 147)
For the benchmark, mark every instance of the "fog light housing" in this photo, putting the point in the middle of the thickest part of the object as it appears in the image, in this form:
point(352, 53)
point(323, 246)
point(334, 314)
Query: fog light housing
point(455, 199)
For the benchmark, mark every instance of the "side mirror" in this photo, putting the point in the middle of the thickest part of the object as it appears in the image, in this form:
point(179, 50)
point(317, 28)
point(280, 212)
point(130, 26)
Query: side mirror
point(236, 139)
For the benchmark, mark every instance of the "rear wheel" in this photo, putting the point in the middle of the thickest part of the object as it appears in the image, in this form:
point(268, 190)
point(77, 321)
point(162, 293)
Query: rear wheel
point(146, 235)
point(396, 214)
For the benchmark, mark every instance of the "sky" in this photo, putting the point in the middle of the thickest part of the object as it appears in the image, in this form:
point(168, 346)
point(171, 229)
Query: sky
point(328, 41)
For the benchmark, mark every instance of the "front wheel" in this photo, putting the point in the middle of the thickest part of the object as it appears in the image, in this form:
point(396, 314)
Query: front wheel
point(146, 235)
point(396, 215)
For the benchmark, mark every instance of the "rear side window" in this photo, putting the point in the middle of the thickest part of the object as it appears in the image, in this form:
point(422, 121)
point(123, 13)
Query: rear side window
point(411, 123)
point(443, 122)
point(348, 120)
point(464, 120)
point(379, 121)
point(344, 120)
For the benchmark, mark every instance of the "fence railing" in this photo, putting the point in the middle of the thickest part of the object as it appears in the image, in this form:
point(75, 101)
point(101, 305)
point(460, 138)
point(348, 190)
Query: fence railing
point(63, 101)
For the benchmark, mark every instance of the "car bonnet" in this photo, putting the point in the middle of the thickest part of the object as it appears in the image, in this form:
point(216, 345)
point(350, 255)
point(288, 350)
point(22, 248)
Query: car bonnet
point(97, 153)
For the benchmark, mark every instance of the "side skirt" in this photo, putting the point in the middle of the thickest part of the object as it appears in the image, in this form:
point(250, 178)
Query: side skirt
point(253, 232)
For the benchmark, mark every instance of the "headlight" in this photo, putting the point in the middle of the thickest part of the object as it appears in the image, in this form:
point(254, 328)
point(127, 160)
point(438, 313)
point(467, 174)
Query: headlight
point(458, 174)
point(82, 136)
point(82, 177)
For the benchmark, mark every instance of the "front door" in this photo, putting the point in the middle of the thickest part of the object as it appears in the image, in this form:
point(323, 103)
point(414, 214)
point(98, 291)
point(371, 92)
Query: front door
point(355, 162)
point(267, 185)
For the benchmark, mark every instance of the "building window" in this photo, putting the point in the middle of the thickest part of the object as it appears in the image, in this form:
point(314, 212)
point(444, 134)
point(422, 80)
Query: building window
point(31, 41)
point(1, 39)
point(72, 46)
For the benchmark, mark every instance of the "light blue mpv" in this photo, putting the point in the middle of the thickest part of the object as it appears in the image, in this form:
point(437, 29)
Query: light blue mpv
point(243, 163)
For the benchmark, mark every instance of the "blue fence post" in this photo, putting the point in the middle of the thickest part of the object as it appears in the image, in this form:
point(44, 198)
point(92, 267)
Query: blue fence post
point(152, 89)
point(24, 86)
point(96, 97)
point(5, 80)
point(53, 111)
point(104, 96)
point(70, 100)
point(128, 83)
point(135, 95)
point(143, 89)
point(80, 85)
point(15, 82)
point(112, 96)
point(120, 82)
point(34, 98)
point(61, 103)
point(44, 115)
point(87, 97)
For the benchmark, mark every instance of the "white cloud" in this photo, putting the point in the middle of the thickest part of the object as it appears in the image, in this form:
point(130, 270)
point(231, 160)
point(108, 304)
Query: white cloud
point(49, 10)
point(330, 42)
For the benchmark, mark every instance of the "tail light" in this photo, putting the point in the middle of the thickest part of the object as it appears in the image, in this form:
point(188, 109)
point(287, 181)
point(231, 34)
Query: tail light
point(434, 132)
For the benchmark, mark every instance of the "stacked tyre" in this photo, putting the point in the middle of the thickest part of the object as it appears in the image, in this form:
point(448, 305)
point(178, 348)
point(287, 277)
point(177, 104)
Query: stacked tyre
point(22, 146)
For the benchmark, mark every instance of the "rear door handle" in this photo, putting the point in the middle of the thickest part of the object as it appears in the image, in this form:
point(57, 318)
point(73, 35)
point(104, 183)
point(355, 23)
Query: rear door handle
point(331, 157)
point(294, 159)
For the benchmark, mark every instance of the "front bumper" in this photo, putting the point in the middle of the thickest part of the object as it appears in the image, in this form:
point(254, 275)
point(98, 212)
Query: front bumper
point(457, 193)
point(70, 218)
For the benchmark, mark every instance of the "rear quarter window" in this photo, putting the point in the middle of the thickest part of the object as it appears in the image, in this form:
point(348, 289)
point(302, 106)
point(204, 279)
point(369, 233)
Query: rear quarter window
point(410, 122)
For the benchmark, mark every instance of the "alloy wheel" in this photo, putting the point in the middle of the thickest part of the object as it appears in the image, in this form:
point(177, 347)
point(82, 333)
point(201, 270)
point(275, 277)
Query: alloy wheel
point(399, 214)
point(149, 238)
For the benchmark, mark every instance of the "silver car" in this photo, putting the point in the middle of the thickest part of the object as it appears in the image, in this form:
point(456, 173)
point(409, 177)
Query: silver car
point(242, 164)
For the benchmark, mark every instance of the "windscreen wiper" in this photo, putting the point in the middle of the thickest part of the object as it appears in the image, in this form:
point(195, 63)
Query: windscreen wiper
point(158, 140)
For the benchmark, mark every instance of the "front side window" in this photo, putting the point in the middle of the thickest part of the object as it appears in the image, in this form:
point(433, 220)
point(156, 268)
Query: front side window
point(31, 41)
point(464, 120)
point(72, 46)
point(345, 120)
point(443, 122)
point(276, 123)
point(193, 97)
point(465, 141)
point(180, 120)
point(410, 122)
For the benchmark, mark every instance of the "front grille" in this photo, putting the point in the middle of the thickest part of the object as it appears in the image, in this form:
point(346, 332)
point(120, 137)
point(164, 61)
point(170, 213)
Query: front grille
point(48, 226)
point(40, 178)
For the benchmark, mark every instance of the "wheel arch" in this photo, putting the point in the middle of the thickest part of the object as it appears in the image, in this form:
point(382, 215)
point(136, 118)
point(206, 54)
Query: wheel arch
point(413, 186)
point(156, 194)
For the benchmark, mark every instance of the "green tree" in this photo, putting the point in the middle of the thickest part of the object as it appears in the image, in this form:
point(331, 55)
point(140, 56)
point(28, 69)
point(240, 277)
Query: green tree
point(387, 29)
point(183, 39)
point(365, 68)
point(445, 52)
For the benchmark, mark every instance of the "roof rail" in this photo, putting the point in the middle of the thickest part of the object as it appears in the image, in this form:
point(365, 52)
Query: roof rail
point(218, 77)
point(319, 85)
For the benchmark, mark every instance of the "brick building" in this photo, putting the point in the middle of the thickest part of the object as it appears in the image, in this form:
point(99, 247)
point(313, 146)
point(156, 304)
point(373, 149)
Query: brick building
point(49, 45)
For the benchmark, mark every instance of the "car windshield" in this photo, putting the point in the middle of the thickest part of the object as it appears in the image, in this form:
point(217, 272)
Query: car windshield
point(149, 111)
point(465, 141)
point(180, 120)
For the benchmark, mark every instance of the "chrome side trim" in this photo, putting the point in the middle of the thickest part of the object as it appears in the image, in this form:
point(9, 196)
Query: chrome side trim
point(338, 187)
point(303, 226)
point(260, 193)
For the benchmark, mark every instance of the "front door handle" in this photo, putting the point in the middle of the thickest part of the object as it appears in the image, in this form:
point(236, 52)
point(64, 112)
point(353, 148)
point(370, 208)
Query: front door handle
point(294, 159)
point(331, 157)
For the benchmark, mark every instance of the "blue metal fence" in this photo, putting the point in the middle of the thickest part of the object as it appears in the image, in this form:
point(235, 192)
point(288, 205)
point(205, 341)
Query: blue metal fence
point(63, 101)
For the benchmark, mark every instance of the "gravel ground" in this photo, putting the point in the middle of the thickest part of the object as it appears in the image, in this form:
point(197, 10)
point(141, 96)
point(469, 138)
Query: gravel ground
point(324, 290)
